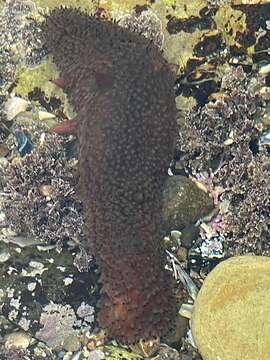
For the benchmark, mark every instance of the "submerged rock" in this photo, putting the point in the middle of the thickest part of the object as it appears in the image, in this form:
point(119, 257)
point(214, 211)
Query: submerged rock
point(183, 203)
point(14, 106)
point(229, 315)
point(36, 298)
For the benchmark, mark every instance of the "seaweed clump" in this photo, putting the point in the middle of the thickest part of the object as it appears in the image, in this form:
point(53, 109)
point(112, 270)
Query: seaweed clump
point(13, 353)
point(224, 136)
point(247, 223)
point(40, 196)
point(213, 133)
point(122, 90)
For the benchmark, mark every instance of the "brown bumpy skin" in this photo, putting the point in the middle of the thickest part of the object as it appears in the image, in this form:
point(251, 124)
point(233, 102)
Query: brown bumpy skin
point(122, 90)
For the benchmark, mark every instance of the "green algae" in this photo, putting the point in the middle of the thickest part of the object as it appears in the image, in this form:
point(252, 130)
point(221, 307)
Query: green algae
point(180, 9)
point(86, 5)
point(179, 47)
point(171, 8)
point(230, 23)
point(184, 103)
point(116, 7)
point(29, 79)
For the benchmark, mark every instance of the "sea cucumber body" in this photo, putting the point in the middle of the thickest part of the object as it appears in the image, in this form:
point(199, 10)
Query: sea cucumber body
point(122, 90)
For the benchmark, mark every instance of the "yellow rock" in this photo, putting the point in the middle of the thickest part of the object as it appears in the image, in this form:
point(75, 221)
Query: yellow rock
point(230, 320)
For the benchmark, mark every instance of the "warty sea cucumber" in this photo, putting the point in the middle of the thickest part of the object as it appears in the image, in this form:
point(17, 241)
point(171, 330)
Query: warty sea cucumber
point(122, 90)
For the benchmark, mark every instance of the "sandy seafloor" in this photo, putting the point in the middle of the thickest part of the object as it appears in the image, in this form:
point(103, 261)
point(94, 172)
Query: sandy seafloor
point(216, 201)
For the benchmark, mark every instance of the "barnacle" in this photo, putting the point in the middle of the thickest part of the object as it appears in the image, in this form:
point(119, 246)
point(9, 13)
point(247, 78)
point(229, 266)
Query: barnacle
point(122, 90)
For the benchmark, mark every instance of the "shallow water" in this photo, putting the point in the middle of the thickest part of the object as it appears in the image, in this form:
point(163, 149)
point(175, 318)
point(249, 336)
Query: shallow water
point(216, 200)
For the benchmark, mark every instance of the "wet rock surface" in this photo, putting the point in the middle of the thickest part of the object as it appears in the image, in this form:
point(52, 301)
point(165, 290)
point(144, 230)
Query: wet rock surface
point(183, 203)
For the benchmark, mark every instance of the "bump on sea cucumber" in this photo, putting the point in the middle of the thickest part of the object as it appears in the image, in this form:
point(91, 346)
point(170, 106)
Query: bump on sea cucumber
point(122, 90)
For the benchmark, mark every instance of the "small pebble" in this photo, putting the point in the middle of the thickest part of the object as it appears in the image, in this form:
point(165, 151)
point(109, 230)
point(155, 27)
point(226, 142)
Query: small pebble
point(72, 343)
point(36, 264)
point(18, 339)
point(68, 281)
point(2, 217)
point(3, 161)
point(44, 115)
point(186, 310)
point(4, 150)
point(4, 256)
point(31, 286)
point(46, 190)
point(14, 106)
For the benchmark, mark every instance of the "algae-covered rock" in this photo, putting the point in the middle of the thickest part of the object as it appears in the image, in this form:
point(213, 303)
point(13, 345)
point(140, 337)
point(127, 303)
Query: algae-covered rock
point(29, 78)
point(116, 7)
point(230, 315)
point(183, 203)
point(86, 5)
point(230, 23)
point(39, 77)
point(178, 47)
